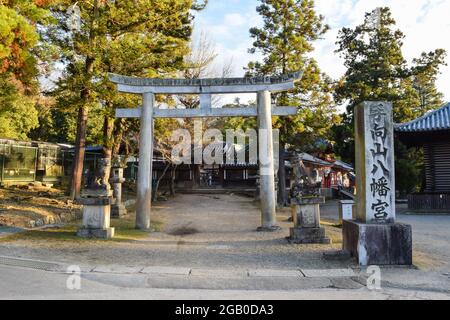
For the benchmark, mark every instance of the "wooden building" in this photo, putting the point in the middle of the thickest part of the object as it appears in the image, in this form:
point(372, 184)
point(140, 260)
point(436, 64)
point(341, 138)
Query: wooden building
point(331, 175)
point(432, 132)
point(30, 161)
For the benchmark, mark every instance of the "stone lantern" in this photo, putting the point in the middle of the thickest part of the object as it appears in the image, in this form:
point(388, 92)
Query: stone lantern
point(118, 209)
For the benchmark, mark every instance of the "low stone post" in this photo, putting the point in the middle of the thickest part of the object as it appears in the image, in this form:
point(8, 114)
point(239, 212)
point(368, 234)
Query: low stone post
point(118, 209)
point(96, 201)
point(346, 210)
point(306, 216)
point(374, 237)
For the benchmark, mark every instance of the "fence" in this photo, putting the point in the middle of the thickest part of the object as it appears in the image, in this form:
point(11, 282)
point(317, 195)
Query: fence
point(45, 163)
point(18, 163)
point(429, 202)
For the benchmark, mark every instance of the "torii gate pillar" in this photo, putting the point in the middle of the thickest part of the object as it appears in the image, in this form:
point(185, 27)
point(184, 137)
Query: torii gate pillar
point(144, 185)
point(266, 162)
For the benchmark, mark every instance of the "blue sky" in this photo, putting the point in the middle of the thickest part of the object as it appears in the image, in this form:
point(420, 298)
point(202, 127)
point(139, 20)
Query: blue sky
point(426, 24)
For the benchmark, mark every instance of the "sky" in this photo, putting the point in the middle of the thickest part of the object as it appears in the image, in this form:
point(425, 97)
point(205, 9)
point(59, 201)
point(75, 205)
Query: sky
point(425, 23)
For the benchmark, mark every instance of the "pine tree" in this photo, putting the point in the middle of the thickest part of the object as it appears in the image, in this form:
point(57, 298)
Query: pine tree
point(425, 70)
point(285, 42)
point(373, 58)
point(377, 70)
point(137, 38)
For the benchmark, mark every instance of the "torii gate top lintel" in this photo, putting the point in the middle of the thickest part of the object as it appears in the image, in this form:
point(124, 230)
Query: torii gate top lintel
point(204, 86)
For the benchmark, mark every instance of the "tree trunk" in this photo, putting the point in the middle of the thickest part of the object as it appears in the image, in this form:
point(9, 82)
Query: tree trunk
point(197, 176)
point(156, 187)
point(172, 180)
point(282, 194)
point(85, 94)
point(118, 135)
point(108, 128)
point(80, 148)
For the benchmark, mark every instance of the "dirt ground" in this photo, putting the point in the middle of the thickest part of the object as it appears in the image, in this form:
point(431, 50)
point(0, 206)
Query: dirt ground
point(209, 231)
point(35, 206)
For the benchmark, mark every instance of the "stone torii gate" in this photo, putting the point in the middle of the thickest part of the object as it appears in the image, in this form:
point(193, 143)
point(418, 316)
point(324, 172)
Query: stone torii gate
point(205, 88)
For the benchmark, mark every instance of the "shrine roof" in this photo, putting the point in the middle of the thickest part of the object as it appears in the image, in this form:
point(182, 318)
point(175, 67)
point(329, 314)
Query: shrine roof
point(436, 120)
point(343, 165)
point(311, 159)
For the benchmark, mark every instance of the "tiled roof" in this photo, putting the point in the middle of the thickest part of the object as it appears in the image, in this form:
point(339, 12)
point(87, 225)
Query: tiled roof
point(433, 121)
point(311, 159)
point(343, 165)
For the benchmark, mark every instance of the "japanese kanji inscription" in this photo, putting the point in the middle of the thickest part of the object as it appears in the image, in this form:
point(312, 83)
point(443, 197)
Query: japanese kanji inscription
point(375, 163)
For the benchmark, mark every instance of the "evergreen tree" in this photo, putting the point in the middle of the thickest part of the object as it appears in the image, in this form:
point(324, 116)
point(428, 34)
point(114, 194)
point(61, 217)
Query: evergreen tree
point(374, 60)
point(285, 42)
point(19, 57)
point(377, 70)
point(144, 38)
point(425, 72)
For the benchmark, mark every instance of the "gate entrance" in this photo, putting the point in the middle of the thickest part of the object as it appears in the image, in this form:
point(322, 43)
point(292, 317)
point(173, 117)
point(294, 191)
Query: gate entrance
point(205, 88)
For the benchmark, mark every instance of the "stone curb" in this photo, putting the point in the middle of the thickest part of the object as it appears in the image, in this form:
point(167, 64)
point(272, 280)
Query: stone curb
point(177, 271)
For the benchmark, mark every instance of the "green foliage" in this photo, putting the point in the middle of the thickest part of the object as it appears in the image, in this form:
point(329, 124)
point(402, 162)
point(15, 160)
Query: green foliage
point(143, 38)
point(21, 115)
point(377, 71)
point(408, 169)
point(425, 72)
point(19, 56)
point(374, 60)
point(285, 41)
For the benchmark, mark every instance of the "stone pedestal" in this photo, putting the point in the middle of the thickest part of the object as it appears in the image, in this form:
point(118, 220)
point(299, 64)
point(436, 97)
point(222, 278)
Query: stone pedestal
point(96, 218)
point(346, 210)
point(378, 244)
point(306, 216)
point(118, 209)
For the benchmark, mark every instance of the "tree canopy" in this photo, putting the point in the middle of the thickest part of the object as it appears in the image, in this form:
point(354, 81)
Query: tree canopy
point(378, 71)
point(19, 65)
point(285, 42)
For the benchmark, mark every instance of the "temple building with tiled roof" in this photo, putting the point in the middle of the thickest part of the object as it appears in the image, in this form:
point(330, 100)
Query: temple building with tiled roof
point(432, 132)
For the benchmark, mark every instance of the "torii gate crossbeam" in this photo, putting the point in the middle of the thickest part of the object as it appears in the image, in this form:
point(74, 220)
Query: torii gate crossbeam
point(264, 111)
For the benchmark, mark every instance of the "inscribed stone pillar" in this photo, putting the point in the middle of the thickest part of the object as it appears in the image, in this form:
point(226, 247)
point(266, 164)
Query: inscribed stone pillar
point(374, 238)
point(375, 179)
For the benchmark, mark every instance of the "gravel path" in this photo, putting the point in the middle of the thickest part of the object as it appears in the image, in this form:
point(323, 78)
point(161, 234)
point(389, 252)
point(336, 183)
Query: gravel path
point(202, 231)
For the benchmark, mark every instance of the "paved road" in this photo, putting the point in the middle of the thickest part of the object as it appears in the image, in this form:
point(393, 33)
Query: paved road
point(431, 238)
point(20, 283)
